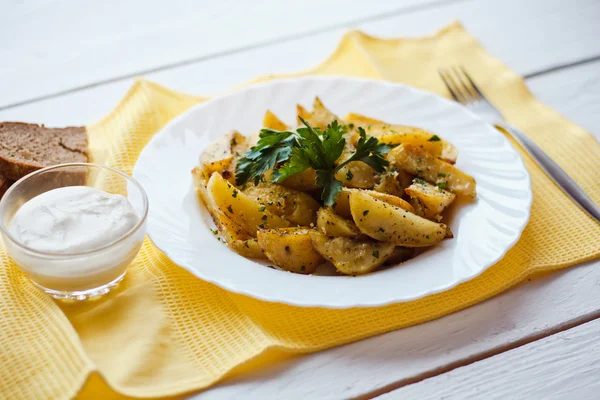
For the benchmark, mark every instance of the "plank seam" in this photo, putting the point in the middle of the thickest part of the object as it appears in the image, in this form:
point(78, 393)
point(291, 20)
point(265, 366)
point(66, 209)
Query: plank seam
point(219, 54)
point(480, 356)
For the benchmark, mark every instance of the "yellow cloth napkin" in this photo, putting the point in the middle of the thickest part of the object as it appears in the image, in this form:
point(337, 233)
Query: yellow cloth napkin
point(165, 332)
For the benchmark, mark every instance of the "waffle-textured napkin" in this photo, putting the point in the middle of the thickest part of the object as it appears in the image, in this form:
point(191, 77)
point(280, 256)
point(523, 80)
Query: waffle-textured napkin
point(165, 332)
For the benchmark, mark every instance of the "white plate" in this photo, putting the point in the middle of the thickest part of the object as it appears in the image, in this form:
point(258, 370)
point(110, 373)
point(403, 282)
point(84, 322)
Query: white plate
point(484, 229)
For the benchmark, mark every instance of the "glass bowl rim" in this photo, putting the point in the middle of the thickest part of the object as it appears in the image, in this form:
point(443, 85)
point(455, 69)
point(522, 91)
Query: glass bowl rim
point(3, 204)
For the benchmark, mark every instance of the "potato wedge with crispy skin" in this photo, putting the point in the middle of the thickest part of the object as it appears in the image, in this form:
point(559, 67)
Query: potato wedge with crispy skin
point(419, 162)
point(237, 238)
point(388, 223)
point(331, 224)
point(361, 120)
point(393, 182)
point(297, 207)
point(221, 155)
point(303, 113)
point(271, 121)
point(342, 202)
point(240, 208)
point(304, 181)
point(290, 248)
point(352, 256)
point(431, 200)
point(398, 134)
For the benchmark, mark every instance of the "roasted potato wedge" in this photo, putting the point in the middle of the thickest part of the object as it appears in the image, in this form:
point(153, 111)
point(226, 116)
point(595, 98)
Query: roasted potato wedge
point(297, 207)
point(356, 174)
point(342, 201)
point(290, 249)
point(431, 200)
point(200, 179)
point(419, 162)
point(398, 134)
point(241, 208)
point(220, 155)
point(393, 182)
point(270, 121)
point(332, 224)
point(320, 116)
point(237, 238)
point(388, 223)
point(361, 120)
point(304, 181)
point(304, 113)
point(352, 256)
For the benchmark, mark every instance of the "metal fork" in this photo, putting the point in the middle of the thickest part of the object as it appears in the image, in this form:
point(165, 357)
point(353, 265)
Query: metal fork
point(463, 90)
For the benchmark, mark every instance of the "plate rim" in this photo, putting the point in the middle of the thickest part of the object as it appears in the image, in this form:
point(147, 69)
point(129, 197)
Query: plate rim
point(308, 303)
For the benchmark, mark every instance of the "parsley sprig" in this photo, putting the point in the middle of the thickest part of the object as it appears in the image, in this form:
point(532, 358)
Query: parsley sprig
point(306, 148)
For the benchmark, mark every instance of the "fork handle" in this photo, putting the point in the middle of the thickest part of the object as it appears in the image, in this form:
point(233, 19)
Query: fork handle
point(554, 171)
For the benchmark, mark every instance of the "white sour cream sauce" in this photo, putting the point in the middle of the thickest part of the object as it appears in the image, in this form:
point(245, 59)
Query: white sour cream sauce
point(75, 219)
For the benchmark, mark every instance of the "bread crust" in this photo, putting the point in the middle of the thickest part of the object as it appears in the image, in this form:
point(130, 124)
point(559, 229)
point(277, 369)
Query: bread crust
point(25, 148)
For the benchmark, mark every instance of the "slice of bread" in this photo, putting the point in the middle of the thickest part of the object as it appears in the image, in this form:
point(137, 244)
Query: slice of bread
point(25, 148)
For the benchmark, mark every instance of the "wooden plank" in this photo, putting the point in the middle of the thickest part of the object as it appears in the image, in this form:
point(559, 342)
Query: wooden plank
point(562, 366)
point(527, 53)
point(56, 46)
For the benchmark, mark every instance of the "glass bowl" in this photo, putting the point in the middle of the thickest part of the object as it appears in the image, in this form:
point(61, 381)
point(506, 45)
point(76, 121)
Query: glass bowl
point(77, 275)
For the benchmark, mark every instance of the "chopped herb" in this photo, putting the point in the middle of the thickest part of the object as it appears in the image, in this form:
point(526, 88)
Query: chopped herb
point(261, 208)
point(441, 174)
point(434, 138)
point(215, 231)
point(351, 125)
point(427, 237)
point(442, 185)
point(349, 175)
point(381, 230)
point(264, 217)
point(234, 194)
point(270, 266)
point(419, 180)
point(419, 160)
point(419, 171)
point(230, 209)
point(365, 212)
point(376, 254)
point(303, 268)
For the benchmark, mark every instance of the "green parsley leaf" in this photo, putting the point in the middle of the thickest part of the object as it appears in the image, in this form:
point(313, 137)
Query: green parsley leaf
point(434, 138)
point(369, 151)
point(331, 186)
point(419, 180)
point(376, 254)
point(272, 148)
point(442, 185)
point(349, 175)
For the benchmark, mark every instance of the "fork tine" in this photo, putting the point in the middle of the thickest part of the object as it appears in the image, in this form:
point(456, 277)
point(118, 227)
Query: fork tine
point(467, 88)
point(465, 98)
point(473, 85)
point(453, 87)
point(441, 73)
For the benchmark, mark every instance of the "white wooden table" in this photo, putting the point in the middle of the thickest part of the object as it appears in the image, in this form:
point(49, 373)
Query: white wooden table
point(69, 62)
